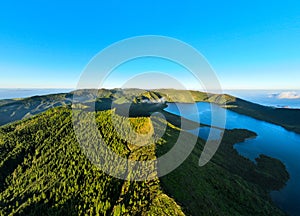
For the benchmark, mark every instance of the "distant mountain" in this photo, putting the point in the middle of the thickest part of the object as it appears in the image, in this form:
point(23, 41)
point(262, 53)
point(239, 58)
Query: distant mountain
point(43, 171)
point(17, 109)
point(12, 110)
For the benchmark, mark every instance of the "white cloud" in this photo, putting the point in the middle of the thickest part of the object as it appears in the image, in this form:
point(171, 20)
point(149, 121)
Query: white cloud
point(288, 95)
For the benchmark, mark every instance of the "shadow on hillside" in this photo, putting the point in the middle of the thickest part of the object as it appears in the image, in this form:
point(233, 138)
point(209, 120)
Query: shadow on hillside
point(126, 109)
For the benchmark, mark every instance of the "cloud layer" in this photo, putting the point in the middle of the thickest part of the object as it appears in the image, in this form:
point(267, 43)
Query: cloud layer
point(288, 95)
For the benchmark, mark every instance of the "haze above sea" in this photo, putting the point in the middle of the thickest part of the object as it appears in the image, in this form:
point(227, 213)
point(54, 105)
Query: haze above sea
point(23, 93)
point(275, 98)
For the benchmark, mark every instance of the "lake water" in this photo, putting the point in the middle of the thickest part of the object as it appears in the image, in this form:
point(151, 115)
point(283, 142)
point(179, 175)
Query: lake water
point(272, 140)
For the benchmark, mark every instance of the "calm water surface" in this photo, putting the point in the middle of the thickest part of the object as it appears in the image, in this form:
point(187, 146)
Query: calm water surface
point(272, 140)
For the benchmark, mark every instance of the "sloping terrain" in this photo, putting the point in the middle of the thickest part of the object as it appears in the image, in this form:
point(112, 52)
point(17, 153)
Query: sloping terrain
point(43, 171)
point(13, 110)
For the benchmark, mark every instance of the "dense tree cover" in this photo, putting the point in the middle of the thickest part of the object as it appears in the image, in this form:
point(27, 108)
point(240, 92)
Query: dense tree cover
point(44, 171)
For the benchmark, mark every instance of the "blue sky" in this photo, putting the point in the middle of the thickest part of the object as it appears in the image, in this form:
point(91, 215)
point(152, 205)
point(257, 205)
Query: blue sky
point(249, 44)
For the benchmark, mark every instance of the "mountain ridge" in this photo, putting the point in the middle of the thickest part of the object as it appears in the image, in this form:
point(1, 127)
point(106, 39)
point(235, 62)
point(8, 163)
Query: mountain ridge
point(287, 118)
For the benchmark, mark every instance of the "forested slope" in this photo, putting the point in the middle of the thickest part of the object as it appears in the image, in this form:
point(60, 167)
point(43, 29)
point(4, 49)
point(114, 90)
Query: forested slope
point(43, 171)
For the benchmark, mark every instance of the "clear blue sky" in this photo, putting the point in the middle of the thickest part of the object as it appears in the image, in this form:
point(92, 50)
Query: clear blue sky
point(250, 44)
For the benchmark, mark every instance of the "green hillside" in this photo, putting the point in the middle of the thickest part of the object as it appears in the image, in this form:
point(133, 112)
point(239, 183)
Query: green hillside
point(43, 171)
point(17, 109)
